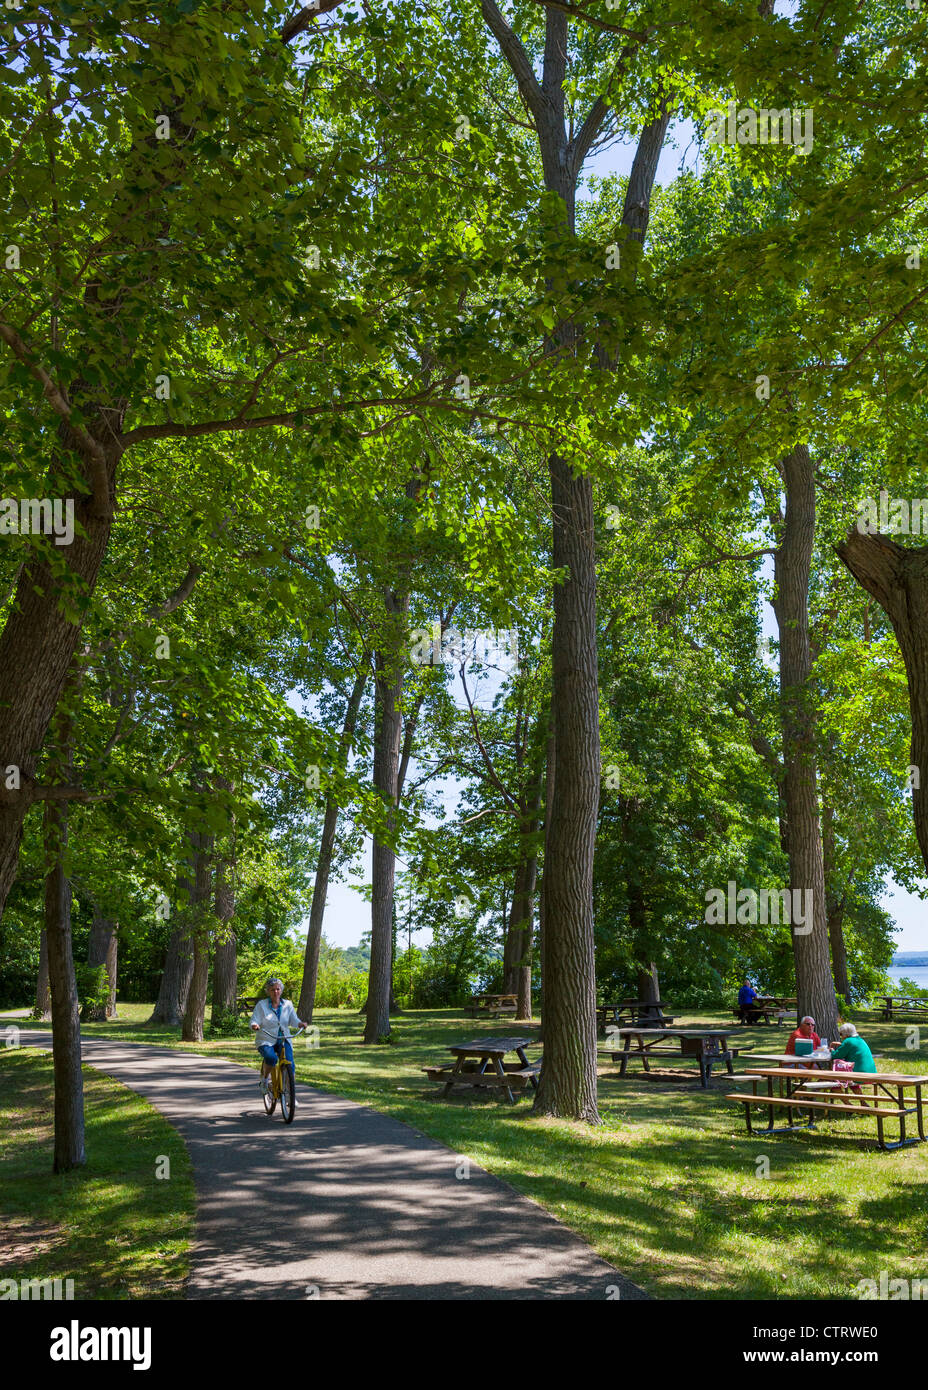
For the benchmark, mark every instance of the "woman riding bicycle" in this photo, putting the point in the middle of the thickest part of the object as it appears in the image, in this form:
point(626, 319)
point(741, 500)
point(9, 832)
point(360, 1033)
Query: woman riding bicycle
point(271, 1016)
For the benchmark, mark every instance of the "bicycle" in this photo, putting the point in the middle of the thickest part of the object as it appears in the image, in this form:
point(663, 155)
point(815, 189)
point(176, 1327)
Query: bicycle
point(282, 1088)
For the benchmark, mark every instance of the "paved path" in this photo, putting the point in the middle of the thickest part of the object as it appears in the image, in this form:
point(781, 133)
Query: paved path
point(344, 1200)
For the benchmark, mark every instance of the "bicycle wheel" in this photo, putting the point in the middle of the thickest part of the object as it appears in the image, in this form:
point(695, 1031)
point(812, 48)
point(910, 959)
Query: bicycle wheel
point(270, 1100)
point(286, 1094)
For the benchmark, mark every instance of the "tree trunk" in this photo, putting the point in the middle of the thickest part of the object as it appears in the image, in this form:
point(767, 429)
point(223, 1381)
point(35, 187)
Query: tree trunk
point(225, 962)
point(175, 979)
point(43, 626)
point(66, 1024)
point(649, 990)
point(324, 862)
point(102, 950)
point(839, 952)
point(834, 903)
point(388, 733)
point(897, 577)
point(568, 1078)
point(792, 562)
point(517, 956)
point(513, 948)
point(43, 999)
point(195, 1012)
point(517, 952)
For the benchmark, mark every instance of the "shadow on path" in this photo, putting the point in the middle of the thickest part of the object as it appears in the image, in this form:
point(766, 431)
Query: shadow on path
point(345, 1202)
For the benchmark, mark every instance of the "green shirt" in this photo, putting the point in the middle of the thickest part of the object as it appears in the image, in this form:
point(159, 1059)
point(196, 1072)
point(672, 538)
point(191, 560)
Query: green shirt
point(856, 1050)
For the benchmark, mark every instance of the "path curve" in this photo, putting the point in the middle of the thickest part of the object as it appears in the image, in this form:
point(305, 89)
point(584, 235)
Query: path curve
point(345, 1200)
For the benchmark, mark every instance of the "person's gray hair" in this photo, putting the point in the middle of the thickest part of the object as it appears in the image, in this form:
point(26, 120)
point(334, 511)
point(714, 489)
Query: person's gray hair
point(809, 1019)
point(847, 1030)
point(273, 981)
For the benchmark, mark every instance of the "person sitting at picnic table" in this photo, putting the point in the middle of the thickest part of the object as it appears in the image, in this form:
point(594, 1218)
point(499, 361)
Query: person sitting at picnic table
point(853, 1049)
point(806, 1030)
point(747, 995)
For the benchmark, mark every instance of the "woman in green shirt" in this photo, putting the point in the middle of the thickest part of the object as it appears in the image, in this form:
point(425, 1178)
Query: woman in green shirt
point(853, 1049)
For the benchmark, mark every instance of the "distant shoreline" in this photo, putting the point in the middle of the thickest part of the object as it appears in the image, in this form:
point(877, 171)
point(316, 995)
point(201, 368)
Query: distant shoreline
point(914, 958)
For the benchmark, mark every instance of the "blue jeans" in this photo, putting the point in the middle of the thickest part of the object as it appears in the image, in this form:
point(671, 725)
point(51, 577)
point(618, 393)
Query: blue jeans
point(270, 1054)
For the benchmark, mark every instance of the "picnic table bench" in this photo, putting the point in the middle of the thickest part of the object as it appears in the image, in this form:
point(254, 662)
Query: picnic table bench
point(492, 1005)
point(818, 1092)
point(480, 1064)
point(244, 1005)
point(707, 1045)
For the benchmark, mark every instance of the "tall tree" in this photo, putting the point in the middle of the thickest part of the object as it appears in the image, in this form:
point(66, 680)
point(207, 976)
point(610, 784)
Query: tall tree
point(815, 990)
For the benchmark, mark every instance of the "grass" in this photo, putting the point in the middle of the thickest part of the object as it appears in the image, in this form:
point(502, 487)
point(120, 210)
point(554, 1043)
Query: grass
point(668, 1188)
point(112, 1226)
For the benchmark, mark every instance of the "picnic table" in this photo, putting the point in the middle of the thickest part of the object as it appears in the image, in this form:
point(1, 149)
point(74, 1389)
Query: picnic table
point(480, 1063)
point(633, 1011)
point(492, 1004)
point(895, 1003)
point(245, 1005)
point(819, 1092)
point(707, 1045)
point(789, 1059)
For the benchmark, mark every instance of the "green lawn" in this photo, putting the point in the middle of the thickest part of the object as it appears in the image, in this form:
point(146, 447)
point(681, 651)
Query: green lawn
point(667, 1189)
point(111, 1226)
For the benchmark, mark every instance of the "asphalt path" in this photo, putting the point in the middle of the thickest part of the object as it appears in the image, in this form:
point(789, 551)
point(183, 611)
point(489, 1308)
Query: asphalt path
point(345, 1202)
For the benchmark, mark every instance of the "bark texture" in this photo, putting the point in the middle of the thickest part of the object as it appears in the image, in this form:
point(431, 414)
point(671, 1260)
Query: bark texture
point(175, 978)
point(324, 861)
point(568, 1078)
point(517, 954)
point(43, 999)
point(66, 1024)
point(201, 924)
point(102, 950)
point(41, 632)
point(225, 962)
point(388, 731)
point(792, 563)
point(835, 904)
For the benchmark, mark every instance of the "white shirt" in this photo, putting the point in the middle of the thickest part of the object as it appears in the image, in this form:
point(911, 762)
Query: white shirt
point(266, 1019)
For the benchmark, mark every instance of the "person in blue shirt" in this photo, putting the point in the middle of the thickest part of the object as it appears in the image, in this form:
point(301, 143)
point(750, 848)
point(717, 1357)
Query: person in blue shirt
point(747, 995)
point(272, 1019)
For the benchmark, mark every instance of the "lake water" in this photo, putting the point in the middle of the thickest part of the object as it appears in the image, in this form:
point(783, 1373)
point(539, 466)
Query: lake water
point(917, 973)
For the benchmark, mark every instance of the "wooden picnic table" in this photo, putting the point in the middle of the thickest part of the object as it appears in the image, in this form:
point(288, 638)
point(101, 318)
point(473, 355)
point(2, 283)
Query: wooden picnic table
point(492, 1004)
point(480, 1063)
point(820, 1092)
point(633, 1011)
point(897, 1003)
point(707, 1045)
point(766, 1005)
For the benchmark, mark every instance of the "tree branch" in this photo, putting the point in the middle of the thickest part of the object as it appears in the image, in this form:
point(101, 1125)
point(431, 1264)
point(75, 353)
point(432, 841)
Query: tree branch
point(92, 450)
point(514, 52)
point(300, 22)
